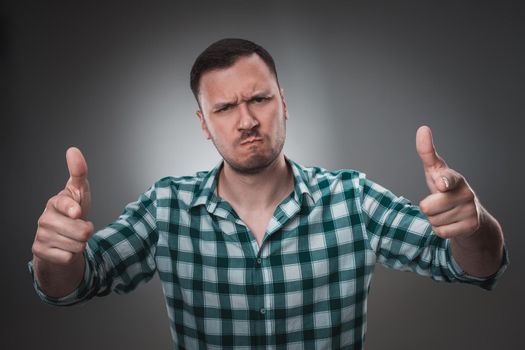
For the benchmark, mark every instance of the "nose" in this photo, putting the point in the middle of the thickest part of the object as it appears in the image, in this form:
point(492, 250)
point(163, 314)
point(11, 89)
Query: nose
point(247, 120)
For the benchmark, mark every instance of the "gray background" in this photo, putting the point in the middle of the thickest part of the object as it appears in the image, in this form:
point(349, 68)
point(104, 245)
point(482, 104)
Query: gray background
point(359, 78)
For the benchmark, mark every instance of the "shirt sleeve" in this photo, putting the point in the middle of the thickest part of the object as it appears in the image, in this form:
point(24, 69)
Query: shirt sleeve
point(402, 238)
point(119, 257)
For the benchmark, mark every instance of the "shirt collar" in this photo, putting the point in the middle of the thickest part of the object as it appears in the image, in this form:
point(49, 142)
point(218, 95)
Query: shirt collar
point(301, 183)
point(206, 193)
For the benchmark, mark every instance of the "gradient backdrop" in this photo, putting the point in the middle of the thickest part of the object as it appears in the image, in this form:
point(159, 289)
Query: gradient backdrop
point(359, 78)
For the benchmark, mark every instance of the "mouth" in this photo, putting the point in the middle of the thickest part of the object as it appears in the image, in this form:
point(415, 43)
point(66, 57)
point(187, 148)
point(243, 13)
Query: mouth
point(251, 140)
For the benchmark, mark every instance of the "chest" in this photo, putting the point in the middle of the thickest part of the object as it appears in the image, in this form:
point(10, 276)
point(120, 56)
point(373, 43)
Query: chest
point(256, 221)
point(228, 249)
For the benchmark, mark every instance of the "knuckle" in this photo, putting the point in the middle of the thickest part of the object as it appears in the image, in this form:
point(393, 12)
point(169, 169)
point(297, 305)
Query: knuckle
point(86, 231)
point(35, 249)
point(43, 220)
point(51, 201)
point(41, 235)
point(468, 195)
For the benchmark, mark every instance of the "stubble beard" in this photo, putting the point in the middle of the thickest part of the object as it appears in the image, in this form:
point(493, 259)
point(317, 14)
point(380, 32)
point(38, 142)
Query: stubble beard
point(255, 165)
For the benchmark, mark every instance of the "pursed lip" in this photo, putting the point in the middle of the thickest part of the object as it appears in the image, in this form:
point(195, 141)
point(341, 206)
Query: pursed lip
point(251, 140)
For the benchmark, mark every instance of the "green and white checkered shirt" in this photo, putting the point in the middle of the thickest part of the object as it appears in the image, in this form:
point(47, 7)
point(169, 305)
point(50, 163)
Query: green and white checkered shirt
point(306, 286)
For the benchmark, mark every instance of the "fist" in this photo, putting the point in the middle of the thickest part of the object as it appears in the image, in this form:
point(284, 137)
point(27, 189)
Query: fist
point(63, 230)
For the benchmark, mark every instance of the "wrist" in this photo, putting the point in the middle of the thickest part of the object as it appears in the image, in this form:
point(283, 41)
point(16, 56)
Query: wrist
point(59, 280)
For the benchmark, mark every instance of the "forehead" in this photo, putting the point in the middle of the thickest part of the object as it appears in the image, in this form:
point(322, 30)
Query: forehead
point(244, 77)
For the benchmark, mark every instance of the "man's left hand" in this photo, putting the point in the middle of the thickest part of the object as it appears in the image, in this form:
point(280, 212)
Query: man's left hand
point(452, 207)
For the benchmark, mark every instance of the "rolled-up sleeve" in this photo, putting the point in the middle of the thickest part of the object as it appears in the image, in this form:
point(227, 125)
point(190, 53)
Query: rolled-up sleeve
point(402, 238)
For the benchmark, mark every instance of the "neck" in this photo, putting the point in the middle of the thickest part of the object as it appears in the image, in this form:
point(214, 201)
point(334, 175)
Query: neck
point(259, 191)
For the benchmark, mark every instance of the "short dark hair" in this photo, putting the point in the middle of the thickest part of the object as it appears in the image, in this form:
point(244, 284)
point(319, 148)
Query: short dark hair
point(223, 54)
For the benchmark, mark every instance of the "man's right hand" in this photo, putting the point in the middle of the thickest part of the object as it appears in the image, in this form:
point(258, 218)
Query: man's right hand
point(63, 231)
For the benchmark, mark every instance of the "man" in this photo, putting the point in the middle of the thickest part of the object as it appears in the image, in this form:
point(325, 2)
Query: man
point(260, 251)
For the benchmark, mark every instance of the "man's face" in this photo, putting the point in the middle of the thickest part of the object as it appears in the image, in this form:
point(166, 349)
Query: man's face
point(244, 113)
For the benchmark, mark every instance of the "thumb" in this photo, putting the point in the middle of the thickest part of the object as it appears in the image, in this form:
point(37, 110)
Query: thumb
point(78, 170)
point(426, 150)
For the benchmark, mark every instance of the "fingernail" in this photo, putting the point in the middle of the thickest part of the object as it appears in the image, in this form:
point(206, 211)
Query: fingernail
point(71, 211)
point(445, 181)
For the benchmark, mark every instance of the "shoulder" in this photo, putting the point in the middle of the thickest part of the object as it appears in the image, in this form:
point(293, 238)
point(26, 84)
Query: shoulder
point(183, 183)
point(180, 188)
point(318, 176)
point(322, 174)
point(321, 182)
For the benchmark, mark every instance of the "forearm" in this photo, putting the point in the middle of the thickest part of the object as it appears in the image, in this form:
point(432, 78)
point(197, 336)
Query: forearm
point(59, 280)
point(481, 253)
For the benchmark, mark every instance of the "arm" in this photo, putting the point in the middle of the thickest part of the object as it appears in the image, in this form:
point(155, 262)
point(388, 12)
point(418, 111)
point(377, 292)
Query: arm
point(455, 213)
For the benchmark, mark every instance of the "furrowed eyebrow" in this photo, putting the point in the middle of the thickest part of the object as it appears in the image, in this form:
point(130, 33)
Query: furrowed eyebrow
point(221, 105)
point(261, 95)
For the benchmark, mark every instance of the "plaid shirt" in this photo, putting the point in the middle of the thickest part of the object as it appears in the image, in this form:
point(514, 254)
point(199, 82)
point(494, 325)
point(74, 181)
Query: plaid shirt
point(306, 286)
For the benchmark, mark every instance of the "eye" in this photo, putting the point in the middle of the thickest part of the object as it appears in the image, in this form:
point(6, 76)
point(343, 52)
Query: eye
point(260, 99)
point(223, 108)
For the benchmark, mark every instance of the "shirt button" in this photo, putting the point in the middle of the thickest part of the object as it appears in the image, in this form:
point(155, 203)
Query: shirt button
point(262, 310)
point(258, 262)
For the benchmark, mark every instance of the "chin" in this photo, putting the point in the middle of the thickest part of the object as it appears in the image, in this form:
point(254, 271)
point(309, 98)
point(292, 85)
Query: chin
point(253, 165)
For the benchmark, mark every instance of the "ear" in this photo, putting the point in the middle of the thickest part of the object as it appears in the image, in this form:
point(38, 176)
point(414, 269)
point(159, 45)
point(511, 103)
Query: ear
point(285, 107)
point(204, 127)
